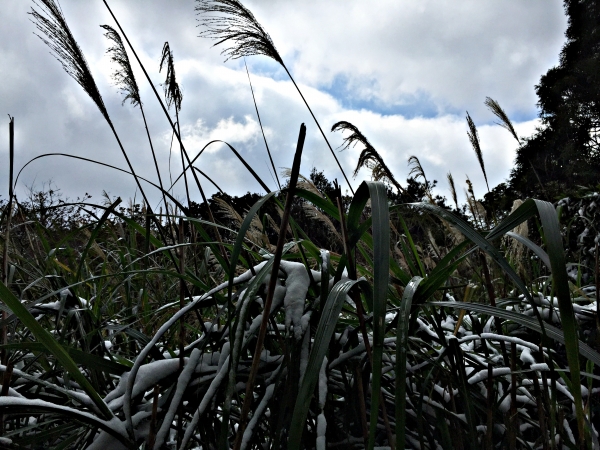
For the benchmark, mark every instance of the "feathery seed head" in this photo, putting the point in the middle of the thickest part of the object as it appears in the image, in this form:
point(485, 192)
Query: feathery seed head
point(505, 122)
point(453, 189)
point(369, 157)
point(173, 94)
point(229, 20)
point(416, 168)
point(51, 22)
point(474, 139)
point(123, 77)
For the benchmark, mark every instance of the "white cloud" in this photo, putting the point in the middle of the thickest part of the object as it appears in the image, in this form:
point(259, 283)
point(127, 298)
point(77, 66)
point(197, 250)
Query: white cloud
point(196, 136)
point(403, 72)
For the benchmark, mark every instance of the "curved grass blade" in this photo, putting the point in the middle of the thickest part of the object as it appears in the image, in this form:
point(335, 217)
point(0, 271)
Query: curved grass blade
point(560, 285)
point(17, 405)
point(54, 347)
point(325, 329)
point(517, 217)
point(551, 331)
point(401, 348)
point(79, 356)
point(539, 251)
point(173, 199)
point(326, 205)
point(235, 152)
point(486, 246)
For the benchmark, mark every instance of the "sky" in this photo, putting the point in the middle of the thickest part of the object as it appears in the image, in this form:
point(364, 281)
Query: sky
point(404, 72)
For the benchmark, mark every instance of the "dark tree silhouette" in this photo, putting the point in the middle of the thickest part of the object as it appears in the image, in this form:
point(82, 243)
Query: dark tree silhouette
point(565, 151)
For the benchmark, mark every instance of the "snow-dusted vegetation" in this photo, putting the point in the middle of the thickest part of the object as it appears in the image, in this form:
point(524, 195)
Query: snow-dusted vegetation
point(416, 327)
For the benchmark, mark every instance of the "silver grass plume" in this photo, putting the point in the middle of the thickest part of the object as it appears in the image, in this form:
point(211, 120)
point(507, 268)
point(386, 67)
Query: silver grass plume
point(313, 212)
point(235, 23)
point(303, 182)
point(416, 169)
point(123, 77)
point(476, 208)
point(255, 233)
point(173, 94)
point(228, 21)
point(500, 114)
point(474, 138)
point(369, 157)
point(453, 189)
point(505, 122)
point(52, 24)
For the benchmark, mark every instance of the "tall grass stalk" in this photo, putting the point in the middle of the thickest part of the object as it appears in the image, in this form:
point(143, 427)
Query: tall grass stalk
point(125, 80)
point(52, 24)
point(261, 127)
point(271, 289)
point(8, 217)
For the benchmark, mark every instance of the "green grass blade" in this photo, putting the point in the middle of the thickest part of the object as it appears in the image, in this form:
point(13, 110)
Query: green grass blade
point(79, 357)
point(485, 244)
point(539, 252)
point(53, 347)
point(551, 331)
point(325, 330)
point(326, 205)
point(239, 242)
point(517, 217)
point(560, 285)
point(413, 249)
point(381, 278)
point(401, 348)
point(17, 405)
point(94, 234)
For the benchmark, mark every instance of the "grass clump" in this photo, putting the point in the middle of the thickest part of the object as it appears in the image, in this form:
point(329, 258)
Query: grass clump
point(409, 326)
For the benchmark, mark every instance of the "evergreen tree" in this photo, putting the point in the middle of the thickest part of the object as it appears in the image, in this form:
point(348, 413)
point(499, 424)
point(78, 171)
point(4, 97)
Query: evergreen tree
point(565, 152)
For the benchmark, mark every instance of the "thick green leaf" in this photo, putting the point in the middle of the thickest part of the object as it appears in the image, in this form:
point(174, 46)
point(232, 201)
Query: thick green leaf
point(326, 205)
point(517, 217)
point(485, 244)
point(533, 247)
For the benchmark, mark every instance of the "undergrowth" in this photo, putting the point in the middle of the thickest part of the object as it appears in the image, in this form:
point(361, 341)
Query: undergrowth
point(125, 327)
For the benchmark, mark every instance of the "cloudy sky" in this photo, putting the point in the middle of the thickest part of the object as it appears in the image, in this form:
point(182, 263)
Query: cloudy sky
point(404, 72)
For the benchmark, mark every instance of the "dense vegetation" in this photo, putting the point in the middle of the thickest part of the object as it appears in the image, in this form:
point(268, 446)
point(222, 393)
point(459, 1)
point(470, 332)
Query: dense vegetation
point(395, 320)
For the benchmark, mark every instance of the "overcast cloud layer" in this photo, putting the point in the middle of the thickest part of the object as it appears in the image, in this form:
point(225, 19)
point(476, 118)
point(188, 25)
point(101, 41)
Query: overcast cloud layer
point(403, 72)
